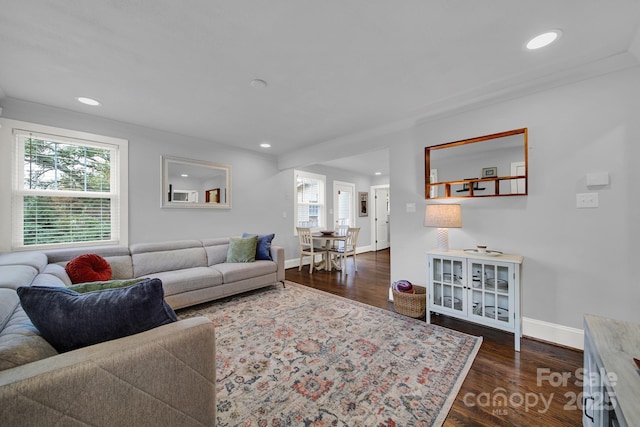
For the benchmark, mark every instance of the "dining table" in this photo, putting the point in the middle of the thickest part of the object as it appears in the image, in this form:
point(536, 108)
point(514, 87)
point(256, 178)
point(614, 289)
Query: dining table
point(328, 240)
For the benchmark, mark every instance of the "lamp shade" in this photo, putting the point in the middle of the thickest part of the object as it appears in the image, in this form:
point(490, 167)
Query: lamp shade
point(443, 216)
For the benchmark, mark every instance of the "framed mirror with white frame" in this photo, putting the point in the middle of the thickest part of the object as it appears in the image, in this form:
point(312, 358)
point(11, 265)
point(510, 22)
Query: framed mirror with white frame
point(188, 183)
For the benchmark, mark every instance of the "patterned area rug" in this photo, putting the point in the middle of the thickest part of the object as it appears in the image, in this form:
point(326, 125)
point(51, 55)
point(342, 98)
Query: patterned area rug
point(299, 356)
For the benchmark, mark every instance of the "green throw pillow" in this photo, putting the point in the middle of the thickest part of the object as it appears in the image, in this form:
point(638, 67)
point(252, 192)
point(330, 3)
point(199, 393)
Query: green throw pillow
point(242, 249)
point(107, 284)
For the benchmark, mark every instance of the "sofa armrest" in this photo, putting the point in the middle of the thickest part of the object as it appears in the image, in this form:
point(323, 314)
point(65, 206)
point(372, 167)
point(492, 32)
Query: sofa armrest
point(161, 377)
point(277, 253)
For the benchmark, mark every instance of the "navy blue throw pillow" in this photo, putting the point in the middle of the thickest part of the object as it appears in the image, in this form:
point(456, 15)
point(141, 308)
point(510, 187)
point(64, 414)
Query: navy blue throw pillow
point(263, 248)
point(69, 320)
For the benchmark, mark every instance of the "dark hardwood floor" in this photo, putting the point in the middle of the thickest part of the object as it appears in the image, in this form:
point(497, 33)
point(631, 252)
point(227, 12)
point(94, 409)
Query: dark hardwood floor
point(538, 386)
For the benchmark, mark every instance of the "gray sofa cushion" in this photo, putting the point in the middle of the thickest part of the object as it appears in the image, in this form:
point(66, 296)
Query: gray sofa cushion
point(20, 341)
point(48, 280)
point(234, 272)
point(12, 276)
point(216, 250)
point(56, 256)
point(37, 260)
point(190, 279)
point(59, 272)
point(121, 267)
point(150, 258)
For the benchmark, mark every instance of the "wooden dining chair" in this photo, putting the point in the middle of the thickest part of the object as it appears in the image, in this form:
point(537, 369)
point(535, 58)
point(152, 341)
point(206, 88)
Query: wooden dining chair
point(348, 249)
point(307, 248)
point(341, 230)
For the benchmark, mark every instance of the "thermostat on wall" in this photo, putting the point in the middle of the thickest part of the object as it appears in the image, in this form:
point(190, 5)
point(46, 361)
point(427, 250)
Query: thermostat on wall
point(596, 179)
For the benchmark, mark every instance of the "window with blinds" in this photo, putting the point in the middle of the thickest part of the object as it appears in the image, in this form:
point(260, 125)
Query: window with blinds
point(310, 200)
point(65, 191)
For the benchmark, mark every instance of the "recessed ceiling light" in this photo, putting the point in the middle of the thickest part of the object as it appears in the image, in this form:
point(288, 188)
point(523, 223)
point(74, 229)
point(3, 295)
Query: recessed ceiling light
point(258, 83)
point(265, 145)
point(88, 101)
point(544, 39)
point(184, 175)
point(378, 173)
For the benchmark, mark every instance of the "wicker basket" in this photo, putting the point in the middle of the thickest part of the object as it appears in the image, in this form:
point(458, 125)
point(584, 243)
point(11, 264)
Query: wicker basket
point(412, 305)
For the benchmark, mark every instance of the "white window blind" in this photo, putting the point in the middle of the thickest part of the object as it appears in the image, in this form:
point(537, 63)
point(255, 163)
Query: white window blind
point(310, 196)
point(65, 192)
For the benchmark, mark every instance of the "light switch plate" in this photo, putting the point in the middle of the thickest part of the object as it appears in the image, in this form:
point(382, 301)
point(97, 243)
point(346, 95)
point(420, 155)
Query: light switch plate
point(411, 207)
point(587, 200)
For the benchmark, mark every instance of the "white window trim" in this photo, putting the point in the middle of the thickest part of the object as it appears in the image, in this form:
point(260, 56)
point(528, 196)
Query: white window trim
point(322, 204)
point(8, 129)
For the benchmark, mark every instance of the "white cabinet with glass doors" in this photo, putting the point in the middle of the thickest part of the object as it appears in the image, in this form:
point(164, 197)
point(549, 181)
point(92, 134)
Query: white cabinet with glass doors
point(479, 288)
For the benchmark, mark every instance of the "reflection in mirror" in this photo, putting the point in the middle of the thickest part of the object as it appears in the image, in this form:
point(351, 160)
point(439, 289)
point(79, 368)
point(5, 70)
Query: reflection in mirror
point(497, 167)
point(195, 184)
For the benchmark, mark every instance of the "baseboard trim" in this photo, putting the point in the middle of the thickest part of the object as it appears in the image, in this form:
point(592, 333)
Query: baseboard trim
point(553, 333)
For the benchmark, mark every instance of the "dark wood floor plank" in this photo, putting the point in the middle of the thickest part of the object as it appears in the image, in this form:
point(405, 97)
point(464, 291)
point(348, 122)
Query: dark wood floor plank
point(529, 382)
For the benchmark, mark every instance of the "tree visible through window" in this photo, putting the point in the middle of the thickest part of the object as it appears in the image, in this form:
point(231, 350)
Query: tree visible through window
point(67, 193)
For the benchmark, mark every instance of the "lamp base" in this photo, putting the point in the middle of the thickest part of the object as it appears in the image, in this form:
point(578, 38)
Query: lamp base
point(443, 239)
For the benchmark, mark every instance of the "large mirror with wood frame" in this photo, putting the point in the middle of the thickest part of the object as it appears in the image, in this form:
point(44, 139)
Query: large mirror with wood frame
point(497, 167)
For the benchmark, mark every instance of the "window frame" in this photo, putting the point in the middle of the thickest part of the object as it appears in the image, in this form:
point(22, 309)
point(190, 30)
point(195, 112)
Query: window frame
point(118, 192)
point(322, 203)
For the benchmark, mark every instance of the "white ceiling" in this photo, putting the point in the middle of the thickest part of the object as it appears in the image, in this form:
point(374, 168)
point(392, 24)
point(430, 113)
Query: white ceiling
point(334, 68)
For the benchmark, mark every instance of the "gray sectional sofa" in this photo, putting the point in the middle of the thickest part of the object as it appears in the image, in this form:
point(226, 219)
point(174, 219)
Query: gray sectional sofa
point(192, 271)
point(164, 376)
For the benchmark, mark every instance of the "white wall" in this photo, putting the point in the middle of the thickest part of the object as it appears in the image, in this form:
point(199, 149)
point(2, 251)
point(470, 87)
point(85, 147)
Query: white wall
point(259, 188)
point(576, 260)
point(261, 194)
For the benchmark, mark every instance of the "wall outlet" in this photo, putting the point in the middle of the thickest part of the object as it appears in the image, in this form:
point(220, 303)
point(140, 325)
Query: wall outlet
point(586, 200)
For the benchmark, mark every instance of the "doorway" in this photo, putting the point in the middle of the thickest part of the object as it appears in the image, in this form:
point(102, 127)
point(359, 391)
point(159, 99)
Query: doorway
point(344, 204)
point(380, 227)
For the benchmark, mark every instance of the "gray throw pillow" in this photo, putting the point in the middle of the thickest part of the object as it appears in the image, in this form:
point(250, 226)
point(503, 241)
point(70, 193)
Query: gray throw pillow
point(242, 249)
point(69, 320)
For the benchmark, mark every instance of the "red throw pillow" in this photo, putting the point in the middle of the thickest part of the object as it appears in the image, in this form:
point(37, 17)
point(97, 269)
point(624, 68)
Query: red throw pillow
point(88, 268)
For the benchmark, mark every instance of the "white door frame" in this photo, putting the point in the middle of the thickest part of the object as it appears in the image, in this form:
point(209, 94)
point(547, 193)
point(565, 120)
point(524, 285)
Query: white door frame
point(372, 191)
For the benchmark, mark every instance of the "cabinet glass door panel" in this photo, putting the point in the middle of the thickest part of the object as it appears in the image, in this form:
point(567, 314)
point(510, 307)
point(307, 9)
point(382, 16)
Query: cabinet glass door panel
point(489, 306)
point(437, 294)
point(448, 284)
point(437, 270)
point(476, 302)
point(490, 292)
point(447, 271)
point(497, 277)
point(502, 313)
point(451, 297)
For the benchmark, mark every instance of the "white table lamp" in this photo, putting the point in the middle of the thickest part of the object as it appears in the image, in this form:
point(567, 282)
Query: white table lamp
point(444, 217)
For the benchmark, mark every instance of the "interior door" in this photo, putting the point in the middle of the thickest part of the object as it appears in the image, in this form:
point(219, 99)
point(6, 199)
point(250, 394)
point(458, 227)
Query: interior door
point(344, 204)
point(381, 218)
point(517, 185)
